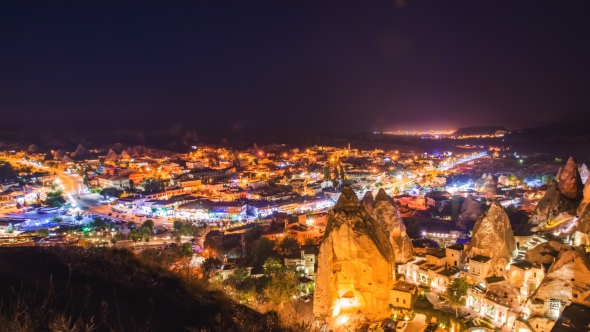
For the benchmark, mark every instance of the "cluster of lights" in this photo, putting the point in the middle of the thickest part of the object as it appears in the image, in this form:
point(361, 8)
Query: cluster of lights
point(419, 132)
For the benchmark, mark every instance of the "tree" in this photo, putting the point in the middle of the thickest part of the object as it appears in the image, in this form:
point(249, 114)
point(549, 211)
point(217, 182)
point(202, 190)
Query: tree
point(309, 241)
point(56, 218)
point(146, 232)
point(209, 266)
point(177, 225)
point(187, 250)
point(261, 250)
point(327, 174)
point(98, 223)
point(250, 235)
point(135, 235)
point(131, 225)
point(272, 265)
point(283, 286)
point(457, 293)
point(149, 224)
point(342, 174)
point(287, 244)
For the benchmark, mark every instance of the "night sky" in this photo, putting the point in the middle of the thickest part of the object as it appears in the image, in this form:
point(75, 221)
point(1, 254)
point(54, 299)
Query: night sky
point(309, 65)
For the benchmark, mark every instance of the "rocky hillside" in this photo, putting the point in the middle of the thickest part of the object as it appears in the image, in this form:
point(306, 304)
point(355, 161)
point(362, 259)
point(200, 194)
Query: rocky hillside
point(113, 291)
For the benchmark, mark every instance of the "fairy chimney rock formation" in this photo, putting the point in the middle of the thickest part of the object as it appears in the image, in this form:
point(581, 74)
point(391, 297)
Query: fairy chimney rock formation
point(356, 265)
point(562, 198)
point(570, 182)
point(81, 150)
point(470, 211)
point(568, 279)
point(386, 213)
point(368, 202)
point(111, 155)
point(493, 238)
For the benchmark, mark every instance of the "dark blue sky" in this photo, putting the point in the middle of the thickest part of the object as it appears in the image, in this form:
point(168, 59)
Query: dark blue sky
point(338, 65)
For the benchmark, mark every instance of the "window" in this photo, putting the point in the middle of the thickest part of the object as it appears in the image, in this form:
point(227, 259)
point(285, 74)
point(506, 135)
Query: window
point(455, 263)
point(535, 274)
point(397, 299)
point(404, 301)
point(575, 296)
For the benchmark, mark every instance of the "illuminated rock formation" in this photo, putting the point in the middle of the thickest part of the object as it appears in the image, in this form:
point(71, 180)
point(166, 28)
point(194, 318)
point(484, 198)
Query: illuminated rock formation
point(582, 233)
point(493, 238)
point(356, 265)
point(125, 155)
point(545, 253)
point(81, 150)
point(386, 213)
point(470, 211)
point(111, 155)
point(562, 197)
point(566, 281)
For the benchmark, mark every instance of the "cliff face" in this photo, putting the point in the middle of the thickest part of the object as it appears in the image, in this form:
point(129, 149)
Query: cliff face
point(569, 275)
point(356, 264)
point(470, 212)
point(493, 237)
point(386, 213)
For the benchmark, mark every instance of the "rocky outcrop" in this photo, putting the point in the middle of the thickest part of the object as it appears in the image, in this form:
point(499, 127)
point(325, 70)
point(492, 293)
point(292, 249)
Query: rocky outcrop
point(470, 211)
point(493, 237)
point(569, 181)
point(66, 159)
point(356, 265)
point(81, 150)
point(59, 154)
point(125, 156)
point(545, 253)
point(33, 149)
point(111, 155)
point(582, 233)
point(562, 197)
point(568, 278)
point(386, 213)
point(368, 202)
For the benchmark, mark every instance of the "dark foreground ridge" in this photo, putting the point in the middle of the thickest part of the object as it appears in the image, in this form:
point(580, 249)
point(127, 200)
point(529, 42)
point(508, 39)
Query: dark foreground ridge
point(111, 290)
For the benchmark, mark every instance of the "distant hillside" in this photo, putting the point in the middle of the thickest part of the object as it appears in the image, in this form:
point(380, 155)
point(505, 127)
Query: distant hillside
point(110, 290)
point(478, 130)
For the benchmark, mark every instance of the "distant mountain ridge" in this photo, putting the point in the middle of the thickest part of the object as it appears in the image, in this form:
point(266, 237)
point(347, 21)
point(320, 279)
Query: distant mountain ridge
point(478, 130)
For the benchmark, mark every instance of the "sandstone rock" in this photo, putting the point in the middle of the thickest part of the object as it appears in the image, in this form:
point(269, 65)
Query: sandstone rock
point(33, 149)
point(555, 205)
point(493, 237)
point(368, 201)
point(570, 182)
point(386, 213)
point(356, 264)
point(545, 253)
point(569, 275)
point(585, 197)
point(59, 154)
point(81, 150)
point(125, 156)
point(66, 159)
point(470, 211)
point(111, 155)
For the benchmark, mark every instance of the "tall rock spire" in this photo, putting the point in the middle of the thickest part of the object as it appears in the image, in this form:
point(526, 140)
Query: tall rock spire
point(386, 213)
point(562, 198)
point(570, 182)
point(356, 264)
point(493, 238)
